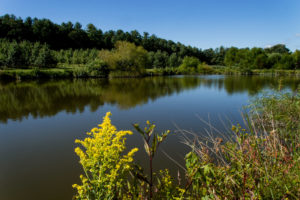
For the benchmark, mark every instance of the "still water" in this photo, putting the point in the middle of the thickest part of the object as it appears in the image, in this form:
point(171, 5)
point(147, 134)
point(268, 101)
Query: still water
point(39, 121)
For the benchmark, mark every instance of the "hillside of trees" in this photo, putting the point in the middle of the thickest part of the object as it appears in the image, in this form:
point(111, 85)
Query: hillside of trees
point(40, 43)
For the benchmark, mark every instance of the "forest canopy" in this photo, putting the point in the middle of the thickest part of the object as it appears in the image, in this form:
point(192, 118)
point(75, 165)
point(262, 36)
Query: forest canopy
point(41, 43)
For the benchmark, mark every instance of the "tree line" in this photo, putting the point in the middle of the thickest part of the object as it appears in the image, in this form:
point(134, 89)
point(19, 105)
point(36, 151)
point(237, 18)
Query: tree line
point(68, 35)
point(41, 43)
point(275, 57)
point(24, 54)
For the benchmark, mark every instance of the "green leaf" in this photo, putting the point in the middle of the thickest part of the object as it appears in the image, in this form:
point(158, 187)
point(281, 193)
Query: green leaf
point(139, 130)
point(146, 146)
point(151, 129)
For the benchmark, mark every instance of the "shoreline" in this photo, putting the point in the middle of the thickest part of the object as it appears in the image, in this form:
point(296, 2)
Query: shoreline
point(54, 73)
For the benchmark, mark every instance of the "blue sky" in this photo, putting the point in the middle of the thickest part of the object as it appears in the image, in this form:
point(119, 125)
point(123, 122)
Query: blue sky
point(200, 23)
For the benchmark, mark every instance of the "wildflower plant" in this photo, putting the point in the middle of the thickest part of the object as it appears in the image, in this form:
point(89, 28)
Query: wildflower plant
point(105, 166)
point(151, 148)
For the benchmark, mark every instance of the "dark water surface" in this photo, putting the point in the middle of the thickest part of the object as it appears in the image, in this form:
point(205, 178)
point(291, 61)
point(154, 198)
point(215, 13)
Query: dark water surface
point(39, 121)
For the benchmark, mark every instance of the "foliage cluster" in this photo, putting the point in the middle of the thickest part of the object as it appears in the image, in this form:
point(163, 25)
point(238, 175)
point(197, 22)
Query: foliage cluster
point(25, 54)
point(76, 56)
point(276, 57)
point(126, 57)
point(192, 65)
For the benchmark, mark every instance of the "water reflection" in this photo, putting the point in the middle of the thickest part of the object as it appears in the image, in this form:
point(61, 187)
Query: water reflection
point(39, 121)
point(47, 98)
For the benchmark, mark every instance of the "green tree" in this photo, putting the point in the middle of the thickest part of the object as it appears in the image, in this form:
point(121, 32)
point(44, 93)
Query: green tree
point(44, 58)
point(79, 37)
point(273, 59)
point(219, 55)
point(174, 60)
point(95, 35)
point(261, 61)
point(278, 48)
point(259, 58)
point(14, 55)
point(296, 56)
point(286, 62)
point(230, 57)
point(209, 54)
point(160, 59)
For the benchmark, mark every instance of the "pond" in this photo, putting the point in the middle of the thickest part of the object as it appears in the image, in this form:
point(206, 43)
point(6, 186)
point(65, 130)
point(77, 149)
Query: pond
point(39, 121)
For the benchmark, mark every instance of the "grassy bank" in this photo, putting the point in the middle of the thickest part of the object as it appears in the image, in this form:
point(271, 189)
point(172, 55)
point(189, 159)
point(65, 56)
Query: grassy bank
point(85, 71)
point(63, 71)
point(213, 69)
point(34, 73)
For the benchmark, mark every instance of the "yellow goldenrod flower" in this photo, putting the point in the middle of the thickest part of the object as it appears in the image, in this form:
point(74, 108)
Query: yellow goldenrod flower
point(102, 156)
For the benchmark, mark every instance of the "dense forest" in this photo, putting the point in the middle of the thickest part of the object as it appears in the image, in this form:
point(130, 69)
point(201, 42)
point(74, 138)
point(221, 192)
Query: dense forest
point(40, 43)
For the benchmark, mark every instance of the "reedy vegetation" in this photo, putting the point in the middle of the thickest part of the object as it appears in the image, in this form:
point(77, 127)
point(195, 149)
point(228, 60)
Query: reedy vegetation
point(258, 162)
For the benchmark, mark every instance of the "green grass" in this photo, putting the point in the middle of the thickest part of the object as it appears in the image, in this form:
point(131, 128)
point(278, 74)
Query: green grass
point(60, 72)
point(34, 73)
point(161, 71)
point(273, 72)
point(84, 71)
point(277, 72)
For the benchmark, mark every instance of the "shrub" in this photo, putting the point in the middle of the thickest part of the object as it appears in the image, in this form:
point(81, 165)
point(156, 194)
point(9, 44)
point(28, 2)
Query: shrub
point(203, 68)
point(189, 65)
point(125, 58)
point(81, 71)
point(250, 167)
point(260, 162)
point(97, 68)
